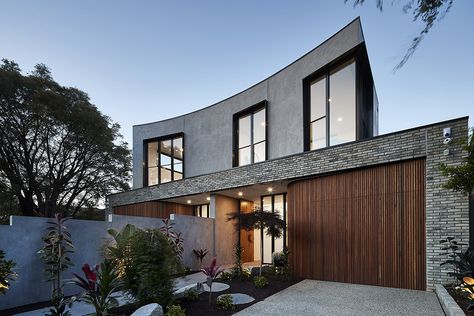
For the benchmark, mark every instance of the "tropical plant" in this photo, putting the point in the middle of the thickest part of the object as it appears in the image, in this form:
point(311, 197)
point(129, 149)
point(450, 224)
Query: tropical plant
point(260, 282)
point(200, 254)
point(147, 262)
point(461, 262)
point(212, 272)
point(98, 284)
point(118, 251)
point(57, 246)
point(265, 221)
point(238, 253)
point(6, 272)
point(175, 310)
point(175, 240)
point(225, 302)
point(191, 295)
point(58, 307)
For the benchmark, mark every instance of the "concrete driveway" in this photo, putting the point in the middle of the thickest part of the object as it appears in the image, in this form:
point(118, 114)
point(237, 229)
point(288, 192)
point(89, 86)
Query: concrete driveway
point(311, 297)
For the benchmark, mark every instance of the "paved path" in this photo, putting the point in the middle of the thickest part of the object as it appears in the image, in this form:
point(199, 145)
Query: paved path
point(311, 297)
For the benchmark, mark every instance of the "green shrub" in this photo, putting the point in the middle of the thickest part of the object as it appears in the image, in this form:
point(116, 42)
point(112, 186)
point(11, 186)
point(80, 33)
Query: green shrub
point(6, 272)
point(226, 276)
point(225, 302)
point(191, 295)
point(146, 262)
point(260, 282)
point(238, 255)
point(175, 310)
point(281, 263)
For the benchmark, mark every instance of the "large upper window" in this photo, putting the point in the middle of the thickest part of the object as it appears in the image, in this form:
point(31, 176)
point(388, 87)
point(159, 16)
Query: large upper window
point(164, 160)
point(333, 107)
point(251, 137)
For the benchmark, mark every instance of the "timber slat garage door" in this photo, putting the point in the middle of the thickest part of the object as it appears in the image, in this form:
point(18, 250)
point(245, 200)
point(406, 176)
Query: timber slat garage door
point(365, 226)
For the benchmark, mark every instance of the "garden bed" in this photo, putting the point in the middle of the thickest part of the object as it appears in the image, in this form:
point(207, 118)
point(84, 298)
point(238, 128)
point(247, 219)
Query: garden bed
point(460, 300)
point(201, 307)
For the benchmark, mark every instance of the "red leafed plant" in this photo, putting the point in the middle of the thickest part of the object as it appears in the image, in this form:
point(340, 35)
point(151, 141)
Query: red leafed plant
point(212, 272)
point(98, 285)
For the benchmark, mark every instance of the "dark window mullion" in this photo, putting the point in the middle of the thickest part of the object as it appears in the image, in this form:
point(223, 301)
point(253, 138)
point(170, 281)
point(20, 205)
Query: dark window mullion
point(328, 105)
point(172, 160)
point(159, 162)
point(251, 139)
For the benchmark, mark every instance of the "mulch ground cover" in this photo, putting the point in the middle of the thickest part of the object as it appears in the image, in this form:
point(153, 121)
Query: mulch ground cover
point(201, 306)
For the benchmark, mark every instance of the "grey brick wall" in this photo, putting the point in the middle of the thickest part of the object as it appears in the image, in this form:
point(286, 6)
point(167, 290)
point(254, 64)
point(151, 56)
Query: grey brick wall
point(447, 213)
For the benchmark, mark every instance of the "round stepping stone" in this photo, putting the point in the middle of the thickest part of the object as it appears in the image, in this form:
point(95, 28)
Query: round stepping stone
point(239, 298)
point(216, 287)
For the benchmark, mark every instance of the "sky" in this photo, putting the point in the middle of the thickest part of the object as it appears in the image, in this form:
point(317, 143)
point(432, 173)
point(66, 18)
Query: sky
point(144, 61)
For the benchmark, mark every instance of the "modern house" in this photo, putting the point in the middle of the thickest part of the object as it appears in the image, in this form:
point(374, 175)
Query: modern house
point(360, 207)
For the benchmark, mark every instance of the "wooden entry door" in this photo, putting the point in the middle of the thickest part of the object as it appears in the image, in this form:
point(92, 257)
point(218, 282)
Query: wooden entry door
point(365, 226)
point(246, 237)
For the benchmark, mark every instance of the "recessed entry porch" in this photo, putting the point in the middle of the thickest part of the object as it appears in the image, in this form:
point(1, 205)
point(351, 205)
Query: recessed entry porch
point(217, 205)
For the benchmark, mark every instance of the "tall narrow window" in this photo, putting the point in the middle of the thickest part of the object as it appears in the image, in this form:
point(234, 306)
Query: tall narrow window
point(164, 160)
point(333, 107)
point(277, 205)
point(201, 210)
point(251, 139)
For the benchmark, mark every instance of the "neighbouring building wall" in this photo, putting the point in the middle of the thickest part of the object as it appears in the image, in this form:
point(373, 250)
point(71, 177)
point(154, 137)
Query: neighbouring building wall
point(208, 132)
point(226, 233)
point(22, 240)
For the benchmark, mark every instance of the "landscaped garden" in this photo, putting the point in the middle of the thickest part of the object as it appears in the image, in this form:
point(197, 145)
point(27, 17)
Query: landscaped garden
point(142, 266)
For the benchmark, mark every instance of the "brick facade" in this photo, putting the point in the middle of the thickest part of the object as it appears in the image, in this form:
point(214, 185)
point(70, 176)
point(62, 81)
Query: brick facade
point(447, 212)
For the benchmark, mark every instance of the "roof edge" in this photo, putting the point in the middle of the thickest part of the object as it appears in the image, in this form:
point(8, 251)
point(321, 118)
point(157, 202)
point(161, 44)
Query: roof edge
point(357, 19)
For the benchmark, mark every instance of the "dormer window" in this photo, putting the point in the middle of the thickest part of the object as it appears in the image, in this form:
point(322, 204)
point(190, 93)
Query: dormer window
point(164, 160)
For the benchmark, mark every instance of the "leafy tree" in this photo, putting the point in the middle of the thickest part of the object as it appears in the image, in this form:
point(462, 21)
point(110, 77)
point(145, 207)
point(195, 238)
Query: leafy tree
point(58, 152)
point(265, 221)
point(429, 11)
point(461, 178)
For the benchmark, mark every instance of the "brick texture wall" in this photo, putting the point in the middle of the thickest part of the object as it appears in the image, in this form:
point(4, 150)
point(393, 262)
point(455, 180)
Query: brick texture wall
point(447, 212)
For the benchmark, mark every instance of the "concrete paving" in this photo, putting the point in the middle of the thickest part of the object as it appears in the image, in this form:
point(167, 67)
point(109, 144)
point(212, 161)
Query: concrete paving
point(311, 297)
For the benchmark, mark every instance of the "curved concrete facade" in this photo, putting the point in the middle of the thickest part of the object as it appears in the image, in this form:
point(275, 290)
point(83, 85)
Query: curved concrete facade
point(208, 132)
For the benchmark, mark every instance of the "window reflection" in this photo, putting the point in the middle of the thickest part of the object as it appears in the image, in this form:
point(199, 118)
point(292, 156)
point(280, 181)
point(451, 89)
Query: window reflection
point(251, 132)
point(342, 105)
point(164, 161)
point(334, 92)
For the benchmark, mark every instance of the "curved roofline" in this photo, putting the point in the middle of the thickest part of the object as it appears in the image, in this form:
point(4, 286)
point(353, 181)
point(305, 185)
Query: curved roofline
point(261, 81)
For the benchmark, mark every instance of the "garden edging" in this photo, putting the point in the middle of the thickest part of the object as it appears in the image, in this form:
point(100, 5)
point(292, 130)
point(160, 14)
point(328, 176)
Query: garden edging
point(449, 305)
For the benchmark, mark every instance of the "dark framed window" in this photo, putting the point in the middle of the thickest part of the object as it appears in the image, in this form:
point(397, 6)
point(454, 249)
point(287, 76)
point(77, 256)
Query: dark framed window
point(250, 135)
point(339, 104)
point(164, 159)
point(276, 204)
point(201, 210)
point(332, 111)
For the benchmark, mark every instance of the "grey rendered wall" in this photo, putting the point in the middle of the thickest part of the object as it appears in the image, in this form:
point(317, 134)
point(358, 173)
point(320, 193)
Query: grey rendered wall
point(22, 241)
point(208, 132)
